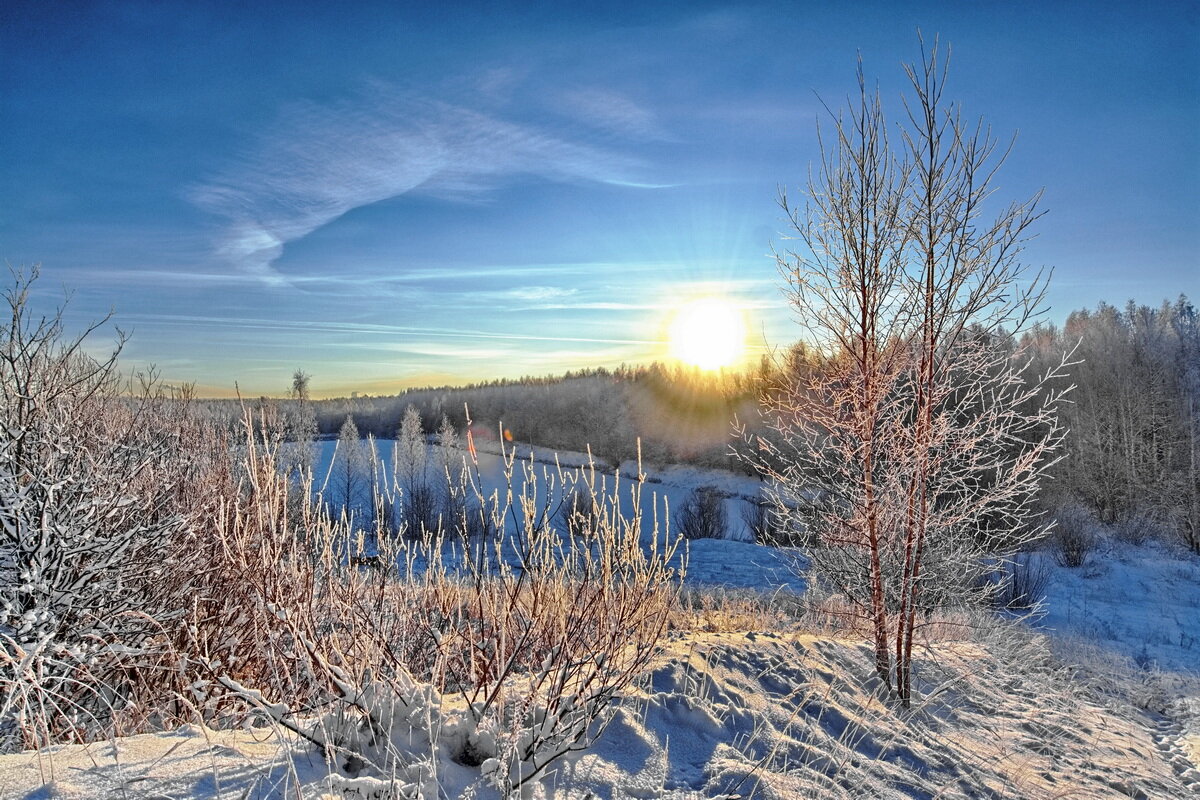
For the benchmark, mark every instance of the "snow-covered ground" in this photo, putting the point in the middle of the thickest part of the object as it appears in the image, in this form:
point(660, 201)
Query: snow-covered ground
point(724, 715)
point(735, 562)
point(792, 715)
point(1139, 601)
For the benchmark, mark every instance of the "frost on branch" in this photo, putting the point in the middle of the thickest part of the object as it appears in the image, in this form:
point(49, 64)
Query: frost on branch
point(444, 669)
point(86, 511)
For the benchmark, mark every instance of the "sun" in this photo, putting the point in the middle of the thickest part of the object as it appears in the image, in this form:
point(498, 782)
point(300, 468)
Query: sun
point(708, 333)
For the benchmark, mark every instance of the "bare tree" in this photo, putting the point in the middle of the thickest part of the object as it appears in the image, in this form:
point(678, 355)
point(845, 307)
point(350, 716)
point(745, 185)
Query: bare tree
point(300, 428)
point(914, 451)
point(843, 292)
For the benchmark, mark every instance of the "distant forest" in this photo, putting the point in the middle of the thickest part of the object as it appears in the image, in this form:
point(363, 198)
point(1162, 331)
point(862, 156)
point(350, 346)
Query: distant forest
point(680, 414)
point(1133, 451)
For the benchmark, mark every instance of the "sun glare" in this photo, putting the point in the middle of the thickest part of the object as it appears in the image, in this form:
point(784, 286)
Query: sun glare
point(708, 333)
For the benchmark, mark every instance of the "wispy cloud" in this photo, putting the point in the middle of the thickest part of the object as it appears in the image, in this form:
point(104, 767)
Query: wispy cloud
point(595, 305)
point(540, 294)
point(317, 162)
point(439, 350)
point(614, 112)
point(259, 324)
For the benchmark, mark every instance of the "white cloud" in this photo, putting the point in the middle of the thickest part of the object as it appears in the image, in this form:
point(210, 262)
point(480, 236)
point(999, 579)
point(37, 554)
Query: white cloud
point(540, 294)
point(317, 162)
point(614, 112)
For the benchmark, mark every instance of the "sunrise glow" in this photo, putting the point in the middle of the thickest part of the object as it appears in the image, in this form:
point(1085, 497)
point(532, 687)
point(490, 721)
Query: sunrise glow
point(708, 333)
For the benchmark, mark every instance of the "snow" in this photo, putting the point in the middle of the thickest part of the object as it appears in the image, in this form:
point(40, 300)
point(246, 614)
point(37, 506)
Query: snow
point(1142, 602)
point(736, 564)
point(191, 762)
point(775, 715)
point(784, 714)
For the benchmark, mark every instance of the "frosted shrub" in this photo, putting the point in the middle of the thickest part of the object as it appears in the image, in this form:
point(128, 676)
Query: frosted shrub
point(579, 514)
point(1137, 527)
point(768, 526)
point(1074, 537)
point(1020, 582)
point(450, 665)
point(91, 510)
point(702, 515)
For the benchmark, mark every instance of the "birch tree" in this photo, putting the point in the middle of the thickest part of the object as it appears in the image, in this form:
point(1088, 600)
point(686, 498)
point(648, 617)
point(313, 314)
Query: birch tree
point(913, 452)
point(411, 469)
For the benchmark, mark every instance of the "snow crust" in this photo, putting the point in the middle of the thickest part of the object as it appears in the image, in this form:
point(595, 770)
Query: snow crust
point(1142, 602)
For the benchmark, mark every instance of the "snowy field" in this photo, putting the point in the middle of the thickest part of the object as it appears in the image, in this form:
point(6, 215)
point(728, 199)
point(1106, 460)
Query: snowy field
point(1142, 602)
point(735, 562)
point(787, 715)
point(727, 715)
point(1139, 602)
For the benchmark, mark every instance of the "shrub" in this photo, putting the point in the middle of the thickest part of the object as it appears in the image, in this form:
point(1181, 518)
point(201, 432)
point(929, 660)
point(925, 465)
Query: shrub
point(764, 520)
point(757, 516)
point(464, 518)
point(1136, 527)
point(537, 645)
point(95, 526)
point(702, 515)
point(580, 514)
point(1022, 582)
point(1074, 536)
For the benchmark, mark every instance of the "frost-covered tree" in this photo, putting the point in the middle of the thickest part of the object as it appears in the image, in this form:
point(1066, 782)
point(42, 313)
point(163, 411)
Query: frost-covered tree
point(352, 470)
point(1186, 324)
point(913, 449)
point(411, 454)
point(300, 381)
point(300, 427)
point(411, 469)
point(1134, 419)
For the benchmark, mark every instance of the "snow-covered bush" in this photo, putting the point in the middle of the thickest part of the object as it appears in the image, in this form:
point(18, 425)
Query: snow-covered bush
point(92, 512)
point(1138, 526)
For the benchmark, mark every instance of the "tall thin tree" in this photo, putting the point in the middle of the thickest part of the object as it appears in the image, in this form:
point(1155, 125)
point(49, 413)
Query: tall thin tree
point(914, 448)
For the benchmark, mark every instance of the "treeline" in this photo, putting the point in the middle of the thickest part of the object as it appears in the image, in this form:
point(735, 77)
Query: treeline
point(679, 414)
point(1133, 450)
point(1132, 454)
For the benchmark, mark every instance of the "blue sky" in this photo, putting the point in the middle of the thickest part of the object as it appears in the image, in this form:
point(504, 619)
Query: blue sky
point(399, 194)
